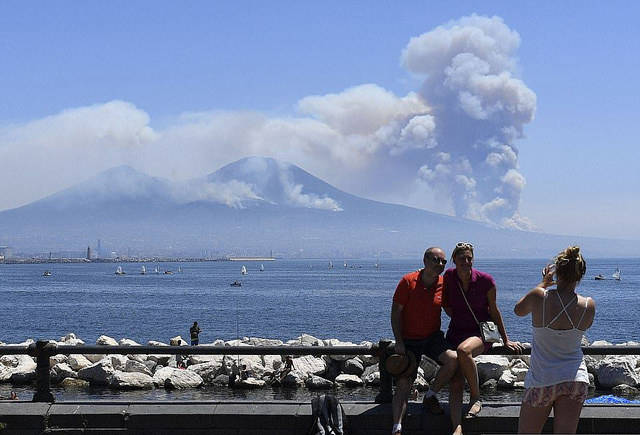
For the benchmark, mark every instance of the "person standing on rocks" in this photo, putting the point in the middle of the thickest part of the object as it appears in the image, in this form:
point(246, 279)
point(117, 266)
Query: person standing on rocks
point(415, 320)
point(194, 331)
point(557, 376)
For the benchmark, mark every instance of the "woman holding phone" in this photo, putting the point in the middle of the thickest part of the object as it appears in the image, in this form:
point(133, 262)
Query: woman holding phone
point(557, 378)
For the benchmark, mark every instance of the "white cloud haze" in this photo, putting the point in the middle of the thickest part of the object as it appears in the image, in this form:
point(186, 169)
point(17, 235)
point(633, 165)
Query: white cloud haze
point(453, 138)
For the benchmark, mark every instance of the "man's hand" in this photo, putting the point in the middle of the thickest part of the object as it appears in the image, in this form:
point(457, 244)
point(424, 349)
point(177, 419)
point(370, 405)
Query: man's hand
point(399, 348)
point(514, 346)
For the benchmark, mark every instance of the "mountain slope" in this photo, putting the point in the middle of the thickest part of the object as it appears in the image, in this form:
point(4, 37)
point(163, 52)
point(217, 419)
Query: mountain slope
point(251, 207)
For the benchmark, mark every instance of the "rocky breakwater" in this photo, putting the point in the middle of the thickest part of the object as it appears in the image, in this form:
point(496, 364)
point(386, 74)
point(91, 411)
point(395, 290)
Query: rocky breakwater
point(619, 374)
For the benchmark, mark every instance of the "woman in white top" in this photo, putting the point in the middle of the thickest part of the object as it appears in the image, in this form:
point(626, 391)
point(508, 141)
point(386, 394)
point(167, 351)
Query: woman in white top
point(557, 376)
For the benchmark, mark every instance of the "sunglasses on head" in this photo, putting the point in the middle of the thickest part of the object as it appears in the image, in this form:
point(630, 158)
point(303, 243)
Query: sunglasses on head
point(437, 260)
point(464, 245)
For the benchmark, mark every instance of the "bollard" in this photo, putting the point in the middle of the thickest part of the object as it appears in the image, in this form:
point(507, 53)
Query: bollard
point(385, 348)
point(42, 351)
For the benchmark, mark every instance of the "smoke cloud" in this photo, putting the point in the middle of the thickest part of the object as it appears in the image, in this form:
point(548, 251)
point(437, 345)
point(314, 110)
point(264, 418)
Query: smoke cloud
point(449, 146)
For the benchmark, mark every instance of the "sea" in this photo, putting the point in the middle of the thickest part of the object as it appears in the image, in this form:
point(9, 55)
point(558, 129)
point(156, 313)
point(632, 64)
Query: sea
point(350, 301)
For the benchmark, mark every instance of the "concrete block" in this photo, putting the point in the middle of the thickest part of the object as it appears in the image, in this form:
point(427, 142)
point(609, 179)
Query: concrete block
point(256, 416)
point(87, 416)
point(23, 415)
point(171, 416)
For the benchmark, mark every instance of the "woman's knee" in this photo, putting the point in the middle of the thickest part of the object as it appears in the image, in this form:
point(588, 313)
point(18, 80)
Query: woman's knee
point(464, 352)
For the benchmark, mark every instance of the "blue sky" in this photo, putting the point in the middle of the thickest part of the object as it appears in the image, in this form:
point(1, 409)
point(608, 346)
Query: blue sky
point(174, 69)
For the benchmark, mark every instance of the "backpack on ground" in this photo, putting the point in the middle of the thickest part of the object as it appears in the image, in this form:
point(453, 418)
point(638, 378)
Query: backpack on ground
point(328, 416)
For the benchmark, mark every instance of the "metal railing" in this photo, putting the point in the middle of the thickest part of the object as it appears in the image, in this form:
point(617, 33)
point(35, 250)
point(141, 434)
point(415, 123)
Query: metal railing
point(42, 350)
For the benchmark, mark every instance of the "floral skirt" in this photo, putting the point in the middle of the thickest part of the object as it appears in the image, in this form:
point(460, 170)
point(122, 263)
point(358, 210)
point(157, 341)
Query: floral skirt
point(545, 396)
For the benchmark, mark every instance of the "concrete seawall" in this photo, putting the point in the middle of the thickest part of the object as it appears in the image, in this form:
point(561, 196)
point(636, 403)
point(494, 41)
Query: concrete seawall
point(273, 418)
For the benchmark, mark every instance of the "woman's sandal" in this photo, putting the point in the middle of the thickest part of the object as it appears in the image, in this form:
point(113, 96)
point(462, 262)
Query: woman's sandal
point(474, 410)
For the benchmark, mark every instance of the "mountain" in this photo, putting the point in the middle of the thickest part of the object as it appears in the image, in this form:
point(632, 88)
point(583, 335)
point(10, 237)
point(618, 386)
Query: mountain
point(251, 207)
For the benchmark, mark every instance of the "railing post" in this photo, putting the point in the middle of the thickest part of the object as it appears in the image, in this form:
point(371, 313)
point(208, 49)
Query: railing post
point(385, 348)
point(43, 350)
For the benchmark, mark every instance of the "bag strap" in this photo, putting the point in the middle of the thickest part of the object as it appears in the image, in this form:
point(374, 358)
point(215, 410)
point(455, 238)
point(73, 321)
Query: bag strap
point(465, 299)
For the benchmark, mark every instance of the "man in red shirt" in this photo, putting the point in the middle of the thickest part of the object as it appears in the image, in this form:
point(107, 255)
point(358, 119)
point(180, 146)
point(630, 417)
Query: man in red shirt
point(415, 319)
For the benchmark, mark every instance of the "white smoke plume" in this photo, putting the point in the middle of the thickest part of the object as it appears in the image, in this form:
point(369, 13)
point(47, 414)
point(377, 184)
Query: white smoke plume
point(451, 142)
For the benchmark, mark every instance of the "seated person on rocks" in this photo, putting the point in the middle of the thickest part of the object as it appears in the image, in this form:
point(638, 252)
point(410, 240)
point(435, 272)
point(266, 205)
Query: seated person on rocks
point(278, 377)
point(415, 320)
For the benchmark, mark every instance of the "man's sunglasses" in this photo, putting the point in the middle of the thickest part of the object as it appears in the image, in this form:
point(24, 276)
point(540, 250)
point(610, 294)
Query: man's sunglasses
point(437, 260)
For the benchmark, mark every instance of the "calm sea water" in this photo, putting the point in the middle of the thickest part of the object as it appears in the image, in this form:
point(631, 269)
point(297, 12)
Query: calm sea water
point(288, 298)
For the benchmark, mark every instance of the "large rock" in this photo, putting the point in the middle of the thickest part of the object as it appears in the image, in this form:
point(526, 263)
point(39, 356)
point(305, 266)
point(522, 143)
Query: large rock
point(615, 370)
point(309, 365)
point(5, 373)
point(180, 379)
point(249, 383)
point(371, 375)
point(178, 341)
point(353, 366)
point(272, 362)
point(306, 340)
point(131, 381)
point(294, 379)
point(71, 340)
point(21, 369)
point(128, 342)
point(93, 357)
point(78, 362)
point(256, 341)
point(161, 375)
point(74, 383)
point(208, 371)
point(137, 367)
point(105, 340)
point(119, 362)
point(314, 382)
point(367, 360)
point(57, 359)
point(97, 373)
point(336, 342)
point(349, 380)
point(507, 380)
point(201, 359)
point(625, 390)
point(491, 366)
point(60, 371)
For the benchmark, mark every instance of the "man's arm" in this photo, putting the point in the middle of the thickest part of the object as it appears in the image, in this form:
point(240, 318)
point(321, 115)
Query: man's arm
point(396, 326)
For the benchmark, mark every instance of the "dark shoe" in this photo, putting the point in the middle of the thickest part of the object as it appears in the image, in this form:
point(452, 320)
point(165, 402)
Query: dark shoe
point(474, 410)
point(432, 405)
point(383, 397)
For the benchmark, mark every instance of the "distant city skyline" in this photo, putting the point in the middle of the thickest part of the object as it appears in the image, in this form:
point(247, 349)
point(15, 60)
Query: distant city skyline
point(520, 114)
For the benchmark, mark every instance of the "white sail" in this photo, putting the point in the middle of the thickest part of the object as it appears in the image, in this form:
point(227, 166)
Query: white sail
point(143, 270)
point(243, 270)
point(330, 264)
point(262, 268)
point(119, 271)
point(616, 274)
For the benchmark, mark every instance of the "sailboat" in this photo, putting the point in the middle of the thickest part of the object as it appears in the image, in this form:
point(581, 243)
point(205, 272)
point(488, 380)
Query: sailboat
point(119, 271)
point(156, 270)
point(143, 270)
point(262, 268)
point(243, 270)
point(179, 269)
point(46, 273)
point(616, 274)
point(330, 264)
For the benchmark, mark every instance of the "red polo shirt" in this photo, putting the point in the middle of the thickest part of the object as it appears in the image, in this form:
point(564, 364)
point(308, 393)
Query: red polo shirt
point(421, 306)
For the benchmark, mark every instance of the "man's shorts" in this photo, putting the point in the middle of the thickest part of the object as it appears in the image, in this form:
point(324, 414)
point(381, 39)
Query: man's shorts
point(194, 342)
point(545, 396)
point(432, 346)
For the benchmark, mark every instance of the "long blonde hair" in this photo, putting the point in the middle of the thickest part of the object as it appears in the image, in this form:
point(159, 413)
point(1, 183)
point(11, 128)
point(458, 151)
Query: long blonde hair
point(570, 265)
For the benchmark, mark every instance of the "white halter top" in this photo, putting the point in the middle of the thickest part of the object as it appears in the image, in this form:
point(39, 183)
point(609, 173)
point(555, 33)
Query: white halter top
point(556, 354)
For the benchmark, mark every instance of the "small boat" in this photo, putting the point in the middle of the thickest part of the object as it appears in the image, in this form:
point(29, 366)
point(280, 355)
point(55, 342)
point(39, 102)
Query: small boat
point(236, 284)
point(599, 277)
point(261, 268)
point(156, 270)
point(46, 273)
point(168, 272)
point(143, 270)
point(330, 264)
point(243, 270)
point(345, 264)
point(616, 274)
point(119, 271)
